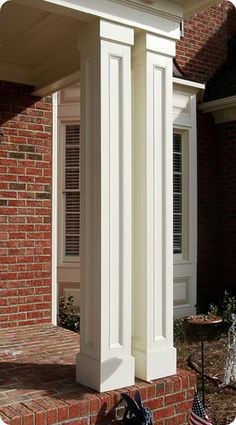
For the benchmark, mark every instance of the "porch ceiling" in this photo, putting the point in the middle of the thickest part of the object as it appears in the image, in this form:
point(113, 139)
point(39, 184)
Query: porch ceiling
point(39, 43)
point(38, 47)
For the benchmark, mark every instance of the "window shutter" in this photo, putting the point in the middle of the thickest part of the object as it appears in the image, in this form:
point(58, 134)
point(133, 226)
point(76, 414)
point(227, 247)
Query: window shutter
point(72, 190)
point(177, 191)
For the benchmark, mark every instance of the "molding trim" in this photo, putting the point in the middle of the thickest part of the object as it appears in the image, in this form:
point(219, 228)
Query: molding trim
point(57, 85)
point(223, 110)
point(149, 6)
point(54, 210)
point(188, 83)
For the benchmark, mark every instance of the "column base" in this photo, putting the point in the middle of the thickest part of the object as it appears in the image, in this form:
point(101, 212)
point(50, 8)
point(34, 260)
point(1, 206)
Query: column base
point(154, 364)
point(104, 376)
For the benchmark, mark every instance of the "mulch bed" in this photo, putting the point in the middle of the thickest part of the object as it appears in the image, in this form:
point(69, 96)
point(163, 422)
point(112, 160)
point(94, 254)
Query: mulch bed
point(220, 403)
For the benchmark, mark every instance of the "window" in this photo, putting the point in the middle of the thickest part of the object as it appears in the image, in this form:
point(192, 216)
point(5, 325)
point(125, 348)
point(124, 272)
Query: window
point(180, 194)
point(177, 192)
point(71, 192)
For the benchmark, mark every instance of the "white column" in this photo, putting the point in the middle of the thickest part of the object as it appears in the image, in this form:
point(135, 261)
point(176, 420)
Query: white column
point(152, 339)
point(105, 360)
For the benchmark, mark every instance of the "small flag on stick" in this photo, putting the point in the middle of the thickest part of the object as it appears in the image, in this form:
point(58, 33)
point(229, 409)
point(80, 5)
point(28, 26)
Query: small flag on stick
point(198, 415)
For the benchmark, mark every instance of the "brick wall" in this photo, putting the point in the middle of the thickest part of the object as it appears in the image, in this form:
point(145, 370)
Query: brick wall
point(170, 400)
point(204, 46)
point(216, 209)
point(25, 207)
point(225, 139)
point(208, 212)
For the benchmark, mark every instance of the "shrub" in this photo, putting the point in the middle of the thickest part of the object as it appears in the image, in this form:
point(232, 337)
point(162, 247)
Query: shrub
point(68, 315)
point(226, 309)
point(178, 329)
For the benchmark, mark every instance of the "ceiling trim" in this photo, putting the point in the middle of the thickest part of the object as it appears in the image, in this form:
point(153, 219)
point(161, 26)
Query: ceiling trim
point(58, 85)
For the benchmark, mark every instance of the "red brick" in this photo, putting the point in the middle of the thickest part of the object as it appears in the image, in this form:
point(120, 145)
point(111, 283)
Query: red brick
point(80, 422)
point(174, 398)
point(169, 386)
point(83, 405)
point(155, 403)
point(151, 391)
point(160, 388)
point(177, 420)
point(163, 413)
point(94, 405)
point(50, 408)
point(184, 406)
point(13, 416)
point(26, 414)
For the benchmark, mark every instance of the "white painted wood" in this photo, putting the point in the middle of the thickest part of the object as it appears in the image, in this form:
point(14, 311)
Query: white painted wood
point(185, 264)
point(54, 207)
point(108, 8)
point(152, 301)
point(68, 267)
point(160, 17)
point(105, 360)
point(161, 45)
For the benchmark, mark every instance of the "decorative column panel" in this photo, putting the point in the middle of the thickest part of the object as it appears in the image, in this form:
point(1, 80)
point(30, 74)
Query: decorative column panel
point(152, 340)
point(105, 360)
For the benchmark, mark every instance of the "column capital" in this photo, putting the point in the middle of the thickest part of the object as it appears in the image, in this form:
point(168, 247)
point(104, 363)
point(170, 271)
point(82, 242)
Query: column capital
point(113, 31)
point(108, 31)
point(145, 41)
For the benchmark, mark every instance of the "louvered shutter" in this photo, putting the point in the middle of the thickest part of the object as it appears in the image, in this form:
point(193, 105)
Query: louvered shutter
point(177, 192)
point(72, 190)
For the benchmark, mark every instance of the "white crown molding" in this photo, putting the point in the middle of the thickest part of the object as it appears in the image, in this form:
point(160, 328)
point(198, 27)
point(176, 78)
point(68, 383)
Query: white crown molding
point(169, 10)
point(223, 110)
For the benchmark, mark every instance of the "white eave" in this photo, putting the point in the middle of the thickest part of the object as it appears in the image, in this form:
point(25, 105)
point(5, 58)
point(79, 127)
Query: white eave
point(191, 87)
point(193, 6)
point(223, 110)
point(189, 83)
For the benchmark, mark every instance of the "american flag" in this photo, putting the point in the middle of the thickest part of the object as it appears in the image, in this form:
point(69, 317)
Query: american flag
point(198, 415)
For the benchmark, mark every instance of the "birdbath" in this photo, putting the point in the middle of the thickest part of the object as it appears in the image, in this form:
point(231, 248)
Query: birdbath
point(202, 320)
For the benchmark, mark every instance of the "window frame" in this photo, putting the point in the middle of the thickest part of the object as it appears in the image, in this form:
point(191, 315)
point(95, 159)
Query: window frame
point(68, 260)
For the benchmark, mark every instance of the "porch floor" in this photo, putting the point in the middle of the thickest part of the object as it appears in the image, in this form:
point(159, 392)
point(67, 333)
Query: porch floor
point(37, 384)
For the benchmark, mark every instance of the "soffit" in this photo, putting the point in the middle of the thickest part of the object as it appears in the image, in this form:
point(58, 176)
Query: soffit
point(193, 6)
point(37, 46)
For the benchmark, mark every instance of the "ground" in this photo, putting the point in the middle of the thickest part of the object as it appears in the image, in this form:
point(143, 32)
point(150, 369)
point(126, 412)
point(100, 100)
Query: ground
point(220, 402)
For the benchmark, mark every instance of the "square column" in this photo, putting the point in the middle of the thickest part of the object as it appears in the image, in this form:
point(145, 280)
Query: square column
point(105, 360)
point(152, 297)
